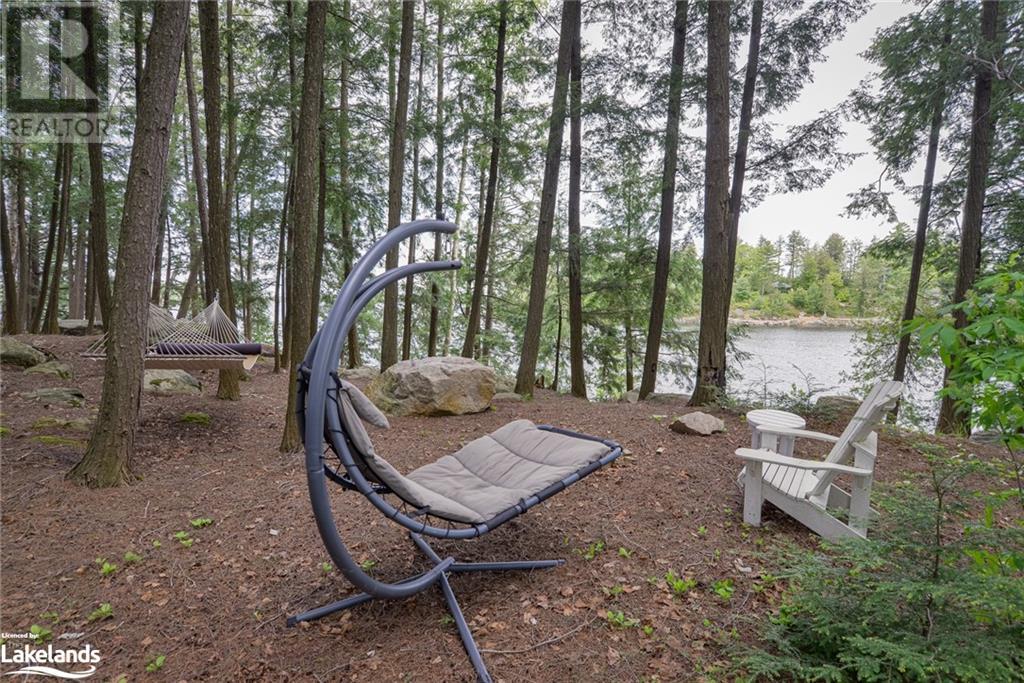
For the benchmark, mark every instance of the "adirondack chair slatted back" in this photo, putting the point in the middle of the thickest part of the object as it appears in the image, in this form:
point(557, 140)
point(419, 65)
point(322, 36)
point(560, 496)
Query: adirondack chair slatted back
point(858, 433)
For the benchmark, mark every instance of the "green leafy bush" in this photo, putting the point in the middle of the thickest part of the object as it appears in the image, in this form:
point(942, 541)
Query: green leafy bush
point(934, 597)
point(986, 359)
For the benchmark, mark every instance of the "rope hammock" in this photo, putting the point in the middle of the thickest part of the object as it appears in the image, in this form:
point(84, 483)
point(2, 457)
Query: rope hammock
point(209, 341)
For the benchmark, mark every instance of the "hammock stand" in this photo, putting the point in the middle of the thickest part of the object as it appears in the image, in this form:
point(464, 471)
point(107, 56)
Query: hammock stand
point(324, 414)
point(209, 341)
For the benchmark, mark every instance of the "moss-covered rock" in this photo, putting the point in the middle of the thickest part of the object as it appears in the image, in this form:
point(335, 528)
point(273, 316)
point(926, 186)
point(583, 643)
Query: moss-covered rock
point(68, 396)
point(49, 422)
point(51, 440)
point(52, 367)
point(195, 418)
point(15, 352)
point(171, 382)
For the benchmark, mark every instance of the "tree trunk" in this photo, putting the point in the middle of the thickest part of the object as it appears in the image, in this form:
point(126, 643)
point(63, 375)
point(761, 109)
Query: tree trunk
point(76, 293)
point(921, 234)
point(416, 135)
point(300, 305)
point(347, 248)
point(663, 259)
point(453, 280)
point(219, 246)
point(198, 173)
point(954, 418)
point(56, 204)
point(558, 324)
point(107, 458)
point(396, 177)
point(53, 300)
point(438, 177)
point(542, 247)
point(158, 257)
point(711, 345)
point(742, 143)
point(483, 245)
point(578, 380)
point(24, 265)
point(7, 256)
point(321, 222)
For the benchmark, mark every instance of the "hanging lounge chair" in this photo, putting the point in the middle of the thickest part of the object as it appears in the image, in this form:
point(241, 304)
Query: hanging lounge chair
point(465, 495)
point(209, 341)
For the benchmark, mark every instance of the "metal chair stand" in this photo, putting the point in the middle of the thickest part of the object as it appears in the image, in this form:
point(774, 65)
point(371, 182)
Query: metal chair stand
point(317, 411)
point(446, 566)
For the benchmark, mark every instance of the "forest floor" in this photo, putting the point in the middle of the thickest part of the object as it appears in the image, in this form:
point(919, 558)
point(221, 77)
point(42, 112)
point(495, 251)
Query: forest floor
point(216, 609)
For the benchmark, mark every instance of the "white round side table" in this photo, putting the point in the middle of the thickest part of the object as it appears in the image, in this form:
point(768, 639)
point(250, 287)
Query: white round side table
point(775, 418)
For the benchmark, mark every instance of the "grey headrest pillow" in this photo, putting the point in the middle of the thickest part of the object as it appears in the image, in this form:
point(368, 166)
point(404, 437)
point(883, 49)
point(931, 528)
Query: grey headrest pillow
point(364, 407)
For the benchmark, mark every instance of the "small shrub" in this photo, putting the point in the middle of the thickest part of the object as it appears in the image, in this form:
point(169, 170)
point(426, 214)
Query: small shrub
point(724, 589)
point(326, 567)
point(131, 557)
point(592, 550)
point(40, 634)
point(200, 522)
point(106, 568)
point(933, 595)
point(618, 619)
point(183, 538)
point(156, 663)
point(678, 585)
point(104, 611)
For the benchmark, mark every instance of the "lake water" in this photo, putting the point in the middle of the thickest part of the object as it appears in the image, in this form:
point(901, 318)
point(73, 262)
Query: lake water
point(779, 358)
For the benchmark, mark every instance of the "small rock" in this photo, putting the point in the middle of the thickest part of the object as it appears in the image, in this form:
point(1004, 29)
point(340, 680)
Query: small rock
point(507, 396)
point(697, 423)
point(630, 397)
point(274, 532)
point(52, 367)
point(364, 373)
point(171, 382)
point(504, 384)
point(17, 353)
point(64, 396)
point(668, 398)
point(989, 436)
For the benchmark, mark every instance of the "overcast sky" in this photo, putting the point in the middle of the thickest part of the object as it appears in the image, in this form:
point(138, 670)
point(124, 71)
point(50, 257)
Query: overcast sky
point(817, 213)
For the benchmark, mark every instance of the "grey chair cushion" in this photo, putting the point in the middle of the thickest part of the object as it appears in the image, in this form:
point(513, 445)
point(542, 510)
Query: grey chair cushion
point(493, 473)
point(487, 476)
point(364, 407)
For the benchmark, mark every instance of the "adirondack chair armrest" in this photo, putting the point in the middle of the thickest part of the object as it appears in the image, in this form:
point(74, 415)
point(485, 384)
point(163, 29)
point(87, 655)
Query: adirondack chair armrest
point(768, 457)
point(801, 433)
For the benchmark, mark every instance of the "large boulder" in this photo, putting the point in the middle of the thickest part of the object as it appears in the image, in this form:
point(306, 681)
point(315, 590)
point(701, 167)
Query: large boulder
point(67, 396)
point(15, 352)
point(52, 367)
point(697, 423)
point(837, 405)
point(447, 385)
point(171, 382)
point(77, 326)
point(364, 373)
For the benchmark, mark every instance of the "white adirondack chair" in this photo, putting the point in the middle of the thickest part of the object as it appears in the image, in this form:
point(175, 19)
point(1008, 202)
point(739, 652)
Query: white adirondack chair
point(806, 489)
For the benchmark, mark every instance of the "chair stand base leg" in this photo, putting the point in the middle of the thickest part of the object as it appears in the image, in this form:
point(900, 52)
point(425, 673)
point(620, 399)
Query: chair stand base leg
point(449, 595)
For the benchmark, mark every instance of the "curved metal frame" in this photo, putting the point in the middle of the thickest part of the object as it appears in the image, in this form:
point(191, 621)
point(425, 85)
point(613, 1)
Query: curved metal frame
point(318, 384)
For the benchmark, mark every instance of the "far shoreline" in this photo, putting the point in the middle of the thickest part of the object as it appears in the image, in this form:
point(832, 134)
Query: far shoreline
point(805, 322)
